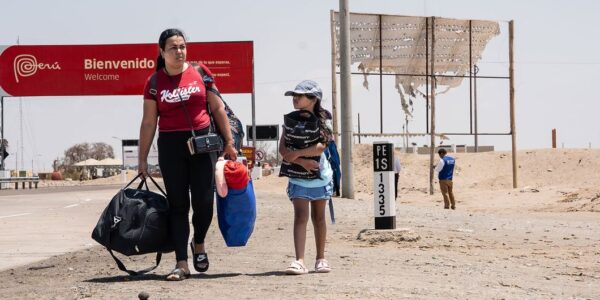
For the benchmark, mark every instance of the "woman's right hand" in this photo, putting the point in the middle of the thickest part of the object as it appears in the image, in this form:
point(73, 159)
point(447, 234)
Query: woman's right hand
point(143, 168)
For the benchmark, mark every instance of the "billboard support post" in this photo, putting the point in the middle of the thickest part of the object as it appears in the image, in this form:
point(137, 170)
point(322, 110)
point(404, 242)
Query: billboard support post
point(2, 134)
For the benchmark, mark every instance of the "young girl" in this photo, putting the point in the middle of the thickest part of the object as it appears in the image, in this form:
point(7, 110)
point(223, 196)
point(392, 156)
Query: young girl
point(309, 195)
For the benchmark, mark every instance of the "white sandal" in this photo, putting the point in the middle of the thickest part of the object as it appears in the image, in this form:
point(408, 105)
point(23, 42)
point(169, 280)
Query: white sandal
point(296, 268)
point(322, 266)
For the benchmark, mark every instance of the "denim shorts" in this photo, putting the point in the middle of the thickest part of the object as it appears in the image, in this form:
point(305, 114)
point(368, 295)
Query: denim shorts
point(295, 191)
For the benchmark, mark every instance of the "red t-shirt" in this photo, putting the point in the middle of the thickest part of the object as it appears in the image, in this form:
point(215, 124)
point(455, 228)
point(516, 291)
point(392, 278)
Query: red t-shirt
point(189, 85)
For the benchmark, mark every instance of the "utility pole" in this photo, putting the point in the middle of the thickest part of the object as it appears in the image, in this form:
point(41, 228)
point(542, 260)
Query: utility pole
point(346, 102)
point(21, 125)
point(21, 133)
point(2, 146)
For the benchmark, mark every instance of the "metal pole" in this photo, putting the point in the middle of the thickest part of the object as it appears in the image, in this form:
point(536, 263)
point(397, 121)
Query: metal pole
point(471, 75)
point(433, 86)
point(427, 75)
point(2, 134)
point(122, 157)
point(406, 134)
point(476, 69)
point(22, 156)
point(253, 102)
point(380, 74)
point(333, 77)
point(359, 128)
point(513, 127)
point(346, 101)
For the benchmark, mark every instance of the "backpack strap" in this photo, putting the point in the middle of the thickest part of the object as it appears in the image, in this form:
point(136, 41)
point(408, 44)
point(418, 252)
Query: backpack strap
point(207, 80)
point(152, 89)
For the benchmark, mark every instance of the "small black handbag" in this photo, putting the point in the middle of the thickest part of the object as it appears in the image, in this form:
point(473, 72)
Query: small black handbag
point(210, 142)
point(135, 222)
point(206, 143)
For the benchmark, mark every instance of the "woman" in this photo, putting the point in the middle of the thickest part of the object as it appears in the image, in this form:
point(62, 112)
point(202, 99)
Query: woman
point(309, 196)
point(179, 84)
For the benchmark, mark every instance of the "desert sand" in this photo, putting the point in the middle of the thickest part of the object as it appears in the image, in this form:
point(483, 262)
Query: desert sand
point(538, 241)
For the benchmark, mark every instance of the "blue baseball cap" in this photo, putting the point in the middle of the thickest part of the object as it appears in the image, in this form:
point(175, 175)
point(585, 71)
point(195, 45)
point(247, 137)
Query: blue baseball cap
point(307, 87)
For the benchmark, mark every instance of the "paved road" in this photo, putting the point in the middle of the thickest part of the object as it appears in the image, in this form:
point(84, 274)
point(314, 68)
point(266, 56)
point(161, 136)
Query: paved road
point(37, 224)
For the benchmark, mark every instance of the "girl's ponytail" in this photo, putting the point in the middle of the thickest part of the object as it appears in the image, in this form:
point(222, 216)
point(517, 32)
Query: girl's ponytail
point(322, 114)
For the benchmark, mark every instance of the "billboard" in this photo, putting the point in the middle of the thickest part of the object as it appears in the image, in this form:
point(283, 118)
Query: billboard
point(87, 70)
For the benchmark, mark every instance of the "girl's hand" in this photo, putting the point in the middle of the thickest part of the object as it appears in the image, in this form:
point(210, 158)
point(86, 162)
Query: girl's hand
point(308, 164)
point(290, 156)
point(320, 147)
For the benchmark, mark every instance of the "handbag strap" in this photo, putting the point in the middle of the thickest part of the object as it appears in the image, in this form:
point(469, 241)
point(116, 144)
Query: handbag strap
point(183, 106)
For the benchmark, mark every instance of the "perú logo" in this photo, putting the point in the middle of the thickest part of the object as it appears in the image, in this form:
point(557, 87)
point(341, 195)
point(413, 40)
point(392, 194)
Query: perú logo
point(27, 65)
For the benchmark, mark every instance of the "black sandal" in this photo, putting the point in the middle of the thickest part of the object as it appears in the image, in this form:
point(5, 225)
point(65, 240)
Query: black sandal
point(180, 273)
point(200, 260)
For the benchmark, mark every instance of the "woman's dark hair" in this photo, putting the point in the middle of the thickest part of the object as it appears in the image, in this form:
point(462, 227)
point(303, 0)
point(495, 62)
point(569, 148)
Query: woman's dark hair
point(162, 41)
point(321, 113)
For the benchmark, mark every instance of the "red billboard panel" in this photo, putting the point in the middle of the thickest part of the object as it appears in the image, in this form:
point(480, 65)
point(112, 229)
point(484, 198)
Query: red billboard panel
point(72, 70)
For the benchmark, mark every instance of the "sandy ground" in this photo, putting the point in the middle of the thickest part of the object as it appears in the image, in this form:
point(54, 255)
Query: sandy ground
point(540, 241)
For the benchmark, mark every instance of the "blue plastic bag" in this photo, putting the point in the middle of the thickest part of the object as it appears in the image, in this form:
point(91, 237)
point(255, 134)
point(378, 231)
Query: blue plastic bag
point(236, 214)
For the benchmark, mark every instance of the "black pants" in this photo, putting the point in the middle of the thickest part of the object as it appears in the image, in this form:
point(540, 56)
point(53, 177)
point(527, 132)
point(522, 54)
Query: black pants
point(182, 174)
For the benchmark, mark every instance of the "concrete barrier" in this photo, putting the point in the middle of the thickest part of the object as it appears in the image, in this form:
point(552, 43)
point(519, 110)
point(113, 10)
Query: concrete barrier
point(22, 180)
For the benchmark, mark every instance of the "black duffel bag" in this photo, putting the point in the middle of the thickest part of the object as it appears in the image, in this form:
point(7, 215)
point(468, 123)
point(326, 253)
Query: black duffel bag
point(135, 222)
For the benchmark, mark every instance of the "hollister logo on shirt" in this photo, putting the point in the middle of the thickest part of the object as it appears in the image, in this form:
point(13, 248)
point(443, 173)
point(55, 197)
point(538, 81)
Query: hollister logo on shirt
point(185, 92)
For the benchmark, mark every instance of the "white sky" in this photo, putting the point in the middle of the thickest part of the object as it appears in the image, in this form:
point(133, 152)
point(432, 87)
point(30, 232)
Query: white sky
point(556, 53)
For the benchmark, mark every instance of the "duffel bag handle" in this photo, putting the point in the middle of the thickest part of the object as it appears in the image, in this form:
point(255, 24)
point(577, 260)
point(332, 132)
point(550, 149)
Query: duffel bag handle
point(144, 182)
point(156, 185)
